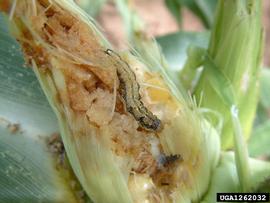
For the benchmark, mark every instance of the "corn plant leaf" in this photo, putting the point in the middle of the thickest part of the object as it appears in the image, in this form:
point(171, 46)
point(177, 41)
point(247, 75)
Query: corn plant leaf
point(176, 10)
point(265, 87)
point(204, 10)
point(183, 51)
point(22, 99)
point(207, 9)
point(259, 142)
point(174, 46)
point(262, 116)
point(27, 169)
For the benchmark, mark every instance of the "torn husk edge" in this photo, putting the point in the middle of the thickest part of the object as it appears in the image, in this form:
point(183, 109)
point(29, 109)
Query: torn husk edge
point(113, 156)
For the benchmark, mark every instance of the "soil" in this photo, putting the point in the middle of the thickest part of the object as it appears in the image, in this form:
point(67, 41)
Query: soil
point(159, 21)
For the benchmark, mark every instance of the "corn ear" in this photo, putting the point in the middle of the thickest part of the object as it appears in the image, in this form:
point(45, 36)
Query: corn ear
point(232, 65)
point(114, 158)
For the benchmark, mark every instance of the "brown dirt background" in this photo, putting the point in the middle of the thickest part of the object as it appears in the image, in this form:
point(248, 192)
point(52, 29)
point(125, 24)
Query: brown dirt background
point(159, 22)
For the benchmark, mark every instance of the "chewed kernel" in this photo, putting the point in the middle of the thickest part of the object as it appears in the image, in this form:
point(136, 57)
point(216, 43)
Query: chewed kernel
point(159, 92)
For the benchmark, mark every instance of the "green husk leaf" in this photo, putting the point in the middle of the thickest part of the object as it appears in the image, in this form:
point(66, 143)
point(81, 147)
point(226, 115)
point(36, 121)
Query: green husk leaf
point(220, 83)
point(191, 71)
point(235, 48)
point(241, 152)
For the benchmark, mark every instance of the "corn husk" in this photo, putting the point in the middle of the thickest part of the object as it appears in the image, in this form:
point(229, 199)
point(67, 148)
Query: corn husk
point(232, 65)
point(113, 158)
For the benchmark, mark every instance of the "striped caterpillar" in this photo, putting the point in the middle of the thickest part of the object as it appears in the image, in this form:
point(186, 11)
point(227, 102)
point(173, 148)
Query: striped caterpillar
point(129, 91)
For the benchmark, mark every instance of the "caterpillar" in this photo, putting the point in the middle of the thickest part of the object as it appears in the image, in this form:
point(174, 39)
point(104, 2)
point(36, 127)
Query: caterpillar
point(129, 91)
point(167, 160)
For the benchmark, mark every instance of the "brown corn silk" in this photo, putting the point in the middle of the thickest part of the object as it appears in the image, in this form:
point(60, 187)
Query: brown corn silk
point(113, 157)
